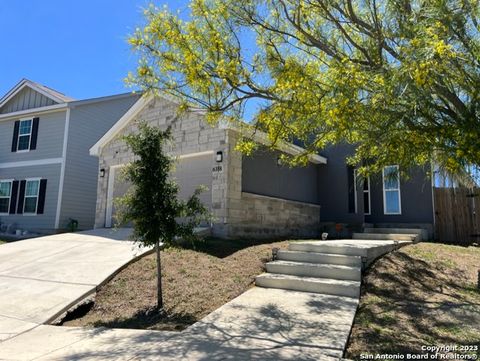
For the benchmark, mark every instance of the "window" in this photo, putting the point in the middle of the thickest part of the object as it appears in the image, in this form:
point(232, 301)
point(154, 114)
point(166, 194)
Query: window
point(24, 134)
point(366, 197)
point(391, 190)
point(352, 196)
point(31, 196)
point(5, 194)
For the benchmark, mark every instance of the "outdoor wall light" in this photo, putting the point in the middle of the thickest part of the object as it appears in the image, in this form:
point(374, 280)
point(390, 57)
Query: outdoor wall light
point(102, 172)
point(219, 156)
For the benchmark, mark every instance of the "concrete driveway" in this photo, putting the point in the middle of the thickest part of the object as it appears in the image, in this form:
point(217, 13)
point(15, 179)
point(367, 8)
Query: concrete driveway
point(260, 324)
point(41, 278)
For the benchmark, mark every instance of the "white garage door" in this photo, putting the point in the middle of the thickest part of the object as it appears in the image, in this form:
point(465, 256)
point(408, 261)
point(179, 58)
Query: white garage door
point(190, 172)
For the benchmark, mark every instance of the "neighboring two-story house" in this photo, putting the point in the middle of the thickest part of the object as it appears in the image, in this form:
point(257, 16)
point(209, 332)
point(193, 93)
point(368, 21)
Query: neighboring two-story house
point(47, 176)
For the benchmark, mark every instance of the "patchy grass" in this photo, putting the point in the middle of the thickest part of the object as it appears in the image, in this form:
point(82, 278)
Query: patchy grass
point(424, 294)
point(195, 282)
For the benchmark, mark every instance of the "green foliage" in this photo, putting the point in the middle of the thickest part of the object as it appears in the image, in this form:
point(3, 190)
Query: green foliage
point(72, 225)
point(400, 78)
point(152, 203)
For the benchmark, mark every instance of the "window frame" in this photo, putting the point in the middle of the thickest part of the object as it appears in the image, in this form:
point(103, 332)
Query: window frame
point(355, 190)
point(369, 197)
point(9, 197)
point(354, 180)
point(24, 135)
point(398, 190)
point(37, 196)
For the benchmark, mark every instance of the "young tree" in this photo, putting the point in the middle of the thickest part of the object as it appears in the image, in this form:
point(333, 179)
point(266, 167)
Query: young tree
point(159, 218)
point(399, 78)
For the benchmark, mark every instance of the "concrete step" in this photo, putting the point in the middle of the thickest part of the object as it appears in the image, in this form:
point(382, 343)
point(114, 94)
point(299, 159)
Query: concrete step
point(314, 257)
point(423, 233)
point(386, 236)
point(309, 284)
point(315, 270)
point(326, 247)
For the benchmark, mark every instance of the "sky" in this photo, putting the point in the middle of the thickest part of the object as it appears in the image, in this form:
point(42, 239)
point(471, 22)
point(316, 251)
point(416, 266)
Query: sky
point(76, 47)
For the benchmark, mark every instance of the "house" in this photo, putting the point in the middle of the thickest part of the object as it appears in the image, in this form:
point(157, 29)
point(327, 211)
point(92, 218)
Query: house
point(47, 176)
point(257, 196)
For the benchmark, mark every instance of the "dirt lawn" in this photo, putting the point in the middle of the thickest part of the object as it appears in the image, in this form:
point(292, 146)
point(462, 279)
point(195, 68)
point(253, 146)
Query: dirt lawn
point(424, 294)
point(195, 283)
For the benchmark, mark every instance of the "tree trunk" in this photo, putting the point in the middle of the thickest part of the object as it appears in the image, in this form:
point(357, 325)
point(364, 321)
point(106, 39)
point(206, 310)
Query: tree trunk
point(159, 277)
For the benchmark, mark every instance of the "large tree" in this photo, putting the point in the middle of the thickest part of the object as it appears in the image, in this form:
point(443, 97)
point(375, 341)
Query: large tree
point(398, 78)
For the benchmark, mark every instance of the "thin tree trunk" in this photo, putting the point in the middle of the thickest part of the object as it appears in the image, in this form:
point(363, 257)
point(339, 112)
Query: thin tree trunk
point(159, 277)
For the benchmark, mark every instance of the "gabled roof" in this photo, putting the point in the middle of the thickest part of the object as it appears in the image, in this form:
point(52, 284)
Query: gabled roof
point(52, 94)
point(145, 99)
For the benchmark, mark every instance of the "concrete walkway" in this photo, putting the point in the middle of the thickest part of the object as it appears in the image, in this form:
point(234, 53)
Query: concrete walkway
point(260, 324)
point(42, 277)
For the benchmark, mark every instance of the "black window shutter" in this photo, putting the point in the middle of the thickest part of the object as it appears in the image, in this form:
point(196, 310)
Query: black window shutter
point(33, 141)
point(41, 196)
point(13, 197)
point(15, 135)
point(21, 197)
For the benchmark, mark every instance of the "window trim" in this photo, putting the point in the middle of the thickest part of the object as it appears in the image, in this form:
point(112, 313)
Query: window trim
point(369, 198)
point(393, 189)
point(354, 180)
point(9, 198)
point(23, 135)
point(355, 190)
point(37, 196)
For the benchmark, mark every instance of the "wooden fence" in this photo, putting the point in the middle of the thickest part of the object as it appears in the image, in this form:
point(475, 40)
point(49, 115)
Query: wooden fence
point(457, 215)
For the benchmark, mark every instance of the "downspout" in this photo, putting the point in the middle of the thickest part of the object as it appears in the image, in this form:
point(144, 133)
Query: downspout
point(62, 169)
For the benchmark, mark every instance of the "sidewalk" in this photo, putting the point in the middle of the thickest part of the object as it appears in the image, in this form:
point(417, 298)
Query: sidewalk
point(260, 324)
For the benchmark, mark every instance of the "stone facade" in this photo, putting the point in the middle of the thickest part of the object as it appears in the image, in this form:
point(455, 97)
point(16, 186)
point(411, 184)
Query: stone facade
point(236, 214)
point(267, 217)
point(190, 134)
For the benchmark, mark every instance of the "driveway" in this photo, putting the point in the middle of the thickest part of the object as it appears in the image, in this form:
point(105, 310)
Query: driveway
point(260, 324)
point(41, 278)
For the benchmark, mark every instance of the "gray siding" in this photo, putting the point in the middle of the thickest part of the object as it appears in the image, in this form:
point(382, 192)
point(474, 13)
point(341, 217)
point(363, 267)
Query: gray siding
point(43, 222)
point(262, 175)
point(416, 194)
point(49, 142)
point(416, 199)
point(333, 187)
point(88, 123)
point(27, 98)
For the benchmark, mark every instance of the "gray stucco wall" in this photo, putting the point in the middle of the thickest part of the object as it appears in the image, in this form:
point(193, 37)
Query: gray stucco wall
point(43, 222)
point(262, 175)
point(49, 141)
point(88, 123)
point(333, 187)
point(416, 199)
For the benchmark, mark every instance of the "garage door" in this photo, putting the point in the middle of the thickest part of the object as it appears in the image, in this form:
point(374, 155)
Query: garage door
point(190, 172)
